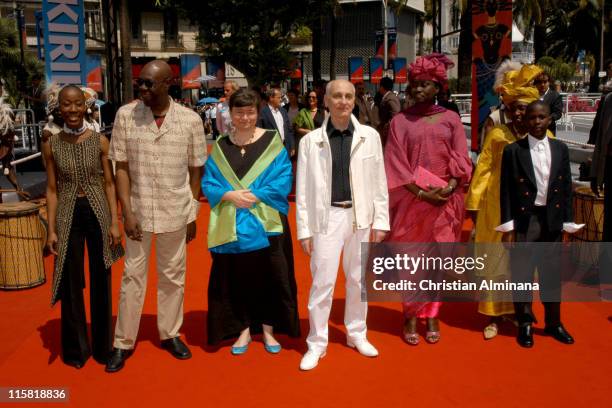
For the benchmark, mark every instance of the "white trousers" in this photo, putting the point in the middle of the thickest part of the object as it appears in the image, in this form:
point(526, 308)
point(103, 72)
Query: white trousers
point(171, 263)
point(324, 263)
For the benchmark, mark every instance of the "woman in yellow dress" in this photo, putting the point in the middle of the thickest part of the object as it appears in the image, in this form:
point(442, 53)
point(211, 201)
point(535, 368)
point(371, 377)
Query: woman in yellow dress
point(482, 200)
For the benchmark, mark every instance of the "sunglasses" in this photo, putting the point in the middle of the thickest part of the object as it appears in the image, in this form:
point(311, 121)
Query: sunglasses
point(146, 82)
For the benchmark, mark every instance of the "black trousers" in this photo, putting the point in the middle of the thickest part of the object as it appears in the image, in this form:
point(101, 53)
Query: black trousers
point(75, 341)
point(524, 261)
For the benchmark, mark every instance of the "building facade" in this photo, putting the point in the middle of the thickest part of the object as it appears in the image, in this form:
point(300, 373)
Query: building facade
point(356, 25)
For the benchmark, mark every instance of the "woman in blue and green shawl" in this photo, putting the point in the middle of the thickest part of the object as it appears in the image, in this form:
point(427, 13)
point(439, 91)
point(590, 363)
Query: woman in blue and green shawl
point(252, 283)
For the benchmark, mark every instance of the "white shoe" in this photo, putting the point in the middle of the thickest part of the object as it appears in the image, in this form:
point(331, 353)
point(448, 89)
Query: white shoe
point(364, 347)
point(310, 360)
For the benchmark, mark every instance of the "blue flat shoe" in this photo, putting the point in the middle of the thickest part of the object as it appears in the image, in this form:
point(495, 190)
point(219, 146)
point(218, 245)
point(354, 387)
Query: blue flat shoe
point(273, 349)
point(238, 350)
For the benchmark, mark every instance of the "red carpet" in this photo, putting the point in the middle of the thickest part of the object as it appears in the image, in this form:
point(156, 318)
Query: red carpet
point(462, 370)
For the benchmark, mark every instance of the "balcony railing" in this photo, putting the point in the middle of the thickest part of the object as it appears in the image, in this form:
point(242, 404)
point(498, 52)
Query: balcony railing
point(140, 42)
point(172, 42)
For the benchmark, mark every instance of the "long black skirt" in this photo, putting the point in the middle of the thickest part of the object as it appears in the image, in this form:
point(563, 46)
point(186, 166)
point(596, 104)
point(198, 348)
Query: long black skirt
point(253, 288)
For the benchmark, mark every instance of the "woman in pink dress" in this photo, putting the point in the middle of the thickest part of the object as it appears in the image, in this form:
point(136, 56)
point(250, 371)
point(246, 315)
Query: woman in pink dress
point(428, 136)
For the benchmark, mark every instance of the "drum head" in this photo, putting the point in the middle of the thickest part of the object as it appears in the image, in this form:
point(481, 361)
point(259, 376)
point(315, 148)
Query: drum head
point(17, 209)
point(586, 192)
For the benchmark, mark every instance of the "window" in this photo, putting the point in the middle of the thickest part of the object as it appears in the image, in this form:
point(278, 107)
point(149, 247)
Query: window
point(170, 27)
point(136, 25)
point(93, 24)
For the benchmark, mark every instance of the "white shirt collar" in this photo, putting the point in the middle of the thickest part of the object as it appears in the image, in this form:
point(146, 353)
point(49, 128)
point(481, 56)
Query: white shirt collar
point(533, 142)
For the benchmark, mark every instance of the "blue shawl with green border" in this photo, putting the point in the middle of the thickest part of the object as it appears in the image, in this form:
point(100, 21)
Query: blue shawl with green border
point(237, 230)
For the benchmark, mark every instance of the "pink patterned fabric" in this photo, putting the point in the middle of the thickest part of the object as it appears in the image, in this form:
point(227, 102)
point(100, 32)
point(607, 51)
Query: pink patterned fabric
point(425, 109)
point(431, 67)
point(439, 146)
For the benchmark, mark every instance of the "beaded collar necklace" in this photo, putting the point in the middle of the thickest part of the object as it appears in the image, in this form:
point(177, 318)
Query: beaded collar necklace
point(75, 132)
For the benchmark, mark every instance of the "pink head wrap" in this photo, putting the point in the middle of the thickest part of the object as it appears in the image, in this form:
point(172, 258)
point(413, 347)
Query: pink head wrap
point(431, 67)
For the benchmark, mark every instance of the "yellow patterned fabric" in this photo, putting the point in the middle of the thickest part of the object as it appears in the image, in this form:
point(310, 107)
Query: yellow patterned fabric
point(483, 196)
point(518, 85)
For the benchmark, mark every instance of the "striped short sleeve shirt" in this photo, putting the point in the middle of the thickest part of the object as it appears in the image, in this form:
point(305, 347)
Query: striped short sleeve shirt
point(158, 160)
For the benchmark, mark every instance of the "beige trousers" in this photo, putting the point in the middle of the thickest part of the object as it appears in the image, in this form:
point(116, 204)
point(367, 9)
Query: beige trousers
point(171, 263)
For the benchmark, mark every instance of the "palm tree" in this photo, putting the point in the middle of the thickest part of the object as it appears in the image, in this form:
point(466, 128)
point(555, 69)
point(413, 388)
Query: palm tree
point(423, 19)
point(575, 25)
point(531, 15)
point(336, 12)
point(9, 47)
point(464, 68)
point(317, 9)
point(11, 69)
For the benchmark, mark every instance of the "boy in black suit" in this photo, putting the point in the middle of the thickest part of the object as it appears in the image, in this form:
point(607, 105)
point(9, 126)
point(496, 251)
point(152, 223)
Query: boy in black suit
point(536, 206)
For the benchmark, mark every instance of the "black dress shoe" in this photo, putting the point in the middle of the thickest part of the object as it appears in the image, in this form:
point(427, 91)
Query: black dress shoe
point(117, 360)
point(525, 336)
point(560, 334)
point(75, 364)
point(177, 348)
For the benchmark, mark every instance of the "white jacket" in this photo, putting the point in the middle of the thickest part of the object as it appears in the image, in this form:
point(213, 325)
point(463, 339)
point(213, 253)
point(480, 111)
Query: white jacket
point(367, 176)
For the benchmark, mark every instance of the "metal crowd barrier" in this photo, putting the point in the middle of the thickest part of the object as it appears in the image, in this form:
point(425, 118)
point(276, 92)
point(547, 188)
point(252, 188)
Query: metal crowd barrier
point(27, 131)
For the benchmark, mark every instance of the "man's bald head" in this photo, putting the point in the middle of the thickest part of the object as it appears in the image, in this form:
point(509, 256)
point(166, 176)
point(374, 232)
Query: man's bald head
point(154, 82)
point(340, 99)
point(158, 68)
point(338, 83)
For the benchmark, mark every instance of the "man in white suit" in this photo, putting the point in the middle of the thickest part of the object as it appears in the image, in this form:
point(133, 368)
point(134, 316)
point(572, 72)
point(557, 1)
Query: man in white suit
point(342, 201)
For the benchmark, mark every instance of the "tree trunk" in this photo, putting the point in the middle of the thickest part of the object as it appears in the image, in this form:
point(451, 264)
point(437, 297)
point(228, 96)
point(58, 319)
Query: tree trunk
point(421, 30)
point(126, 54)
point(332, 48)
point(539, 40)
point(316, 49)
point(464, 83)
point(595, 80)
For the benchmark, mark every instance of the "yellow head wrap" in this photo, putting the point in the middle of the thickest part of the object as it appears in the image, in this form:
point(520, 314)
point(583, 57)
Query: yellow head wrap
point(518, 85)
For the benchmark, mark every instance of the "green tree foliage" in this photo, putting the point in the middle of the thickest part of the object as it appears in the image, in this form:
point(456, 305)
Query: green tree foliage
point(10, 62)
point(558, 68)
point(531, 15)
point(253, 36)
point(573, 27)
point(561, 27)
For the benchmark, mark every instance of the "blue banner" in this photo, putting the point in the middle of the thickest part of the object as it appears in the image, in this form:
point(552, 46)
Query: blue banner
point(400, 70)
point(376, 70)
point(190, 71)
point(216, 68)
point(64, 33)
point(355, 69)
point(94, 73)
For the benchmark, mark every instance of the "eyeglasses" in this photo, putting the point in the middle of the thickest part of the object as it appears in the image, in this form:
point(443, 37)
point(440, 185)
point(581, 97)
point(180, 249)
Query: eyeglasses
point(147, 83)
point(244, 114)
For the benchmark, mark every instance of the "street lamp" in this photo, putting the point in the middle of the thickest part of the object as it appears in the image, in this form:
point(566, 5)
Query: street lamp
point(385, 36)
